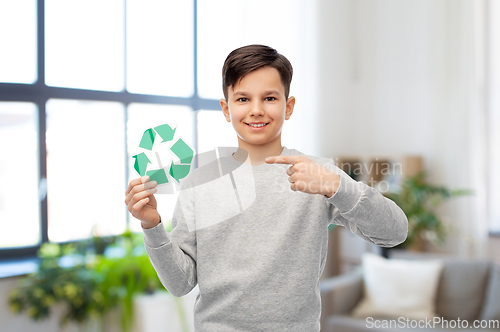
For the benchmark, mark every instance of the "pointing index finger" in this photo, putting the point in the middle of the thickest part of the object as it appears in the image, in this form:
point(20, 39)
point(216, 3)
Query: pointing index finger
point(283, 159)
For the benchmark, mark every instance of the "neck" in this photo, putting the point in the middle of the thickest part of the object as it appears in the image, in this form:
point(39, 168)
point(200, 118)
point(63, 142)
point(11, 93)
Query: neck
point(257, 153)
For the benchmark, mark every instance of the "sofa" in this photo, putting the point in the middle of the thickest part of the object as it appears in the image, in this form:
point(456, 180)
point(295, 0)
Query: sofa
point(466, 289)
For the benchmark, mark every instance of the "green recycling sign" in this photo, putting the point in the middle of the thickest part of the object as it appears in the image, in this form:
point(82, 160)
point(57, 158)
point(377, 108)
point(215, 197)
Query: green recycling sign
point(163, 136)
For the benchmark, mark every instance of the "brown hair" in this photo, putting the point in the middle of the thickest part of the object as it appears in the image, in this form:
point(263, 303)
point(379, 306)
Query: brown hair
point(246, 59)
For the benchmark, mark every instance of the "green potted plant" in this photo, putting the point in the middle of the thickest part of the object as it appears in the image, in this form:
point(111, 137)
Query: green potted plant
point(73, 286)
point(89, 278)
point(418, 199)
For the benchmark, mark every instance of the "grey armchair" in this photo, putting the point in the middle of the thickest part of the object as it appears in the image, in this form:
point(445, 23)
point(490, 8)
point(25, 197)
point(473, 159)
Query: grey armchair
point(468, 289)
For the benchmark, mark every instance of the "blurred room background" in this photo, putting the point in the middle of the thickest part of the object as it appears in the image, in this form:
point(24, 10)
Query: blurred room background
point(414, 83)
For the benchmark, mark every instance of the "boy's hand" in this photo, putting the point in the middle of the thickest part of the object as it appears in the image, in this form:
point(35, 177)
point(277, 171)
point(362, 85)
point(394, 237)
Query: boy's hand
point(308, 176)
point(141, 202)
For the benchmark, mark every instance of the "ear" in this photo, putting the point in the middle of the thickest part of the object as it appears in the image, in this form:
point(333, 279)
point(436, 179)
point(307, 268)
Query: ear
point(290, 104)
point(225, 109)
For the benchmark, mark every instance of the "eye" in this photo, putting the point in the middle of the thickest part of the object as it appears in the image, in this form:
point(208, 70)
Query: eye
point(270, 98)
point(242, 99)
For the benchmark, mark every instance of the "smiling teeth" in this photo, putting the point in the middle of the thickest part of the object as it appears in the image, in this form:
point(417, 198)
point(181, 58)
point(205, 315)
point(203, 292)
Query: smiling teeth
point(258, 125)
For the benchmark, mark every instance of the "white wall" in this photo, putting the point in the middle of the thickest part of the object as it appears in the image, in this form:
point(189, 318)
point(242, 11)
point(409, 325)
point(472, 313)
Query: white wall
point(397, 77)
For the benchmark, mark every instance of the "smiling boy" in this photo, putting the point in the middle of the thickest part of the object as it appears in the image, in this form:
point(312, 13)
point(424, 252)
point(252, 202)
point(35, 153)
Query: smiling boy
point(256, 245)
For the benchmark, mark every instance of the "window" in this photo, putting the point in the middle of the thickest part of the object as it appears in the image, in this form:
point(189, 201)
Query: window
point(84, 42)
point(19, 175)
point(18, 59)
point(154, 67)
point(85, 169)
point(76, 83)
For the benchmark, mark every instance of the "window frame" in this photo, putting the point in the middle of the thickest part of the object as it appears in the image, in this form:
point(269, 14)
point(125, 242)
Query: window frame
point(39, 93)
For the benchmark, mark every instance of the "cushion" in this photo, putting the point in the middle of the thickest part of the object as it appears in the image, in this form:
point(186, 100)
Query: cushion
point(461, 289)
point(491, 306)
point(398, 288)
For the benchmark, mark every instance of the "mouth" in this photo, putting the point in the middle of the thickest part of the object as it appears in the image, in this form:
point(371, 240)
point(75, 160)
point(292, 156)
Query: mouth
point(257, 125)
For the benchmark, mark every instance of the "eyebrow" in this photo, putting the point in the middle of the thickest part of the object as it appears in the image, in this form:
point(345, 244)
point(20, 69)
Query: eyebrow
point(267, 92)
point(270, 92)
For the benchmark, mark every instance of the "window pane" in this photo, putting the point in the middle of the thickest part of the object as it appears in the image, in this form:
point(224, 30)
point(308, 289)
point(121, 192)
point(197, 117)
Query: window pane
point(145, 116)
point(18, 40)
point(249, 26)
point(214, 131)
point(19, 204)
point(85, 169)
point(160, 47)
point(84, 44)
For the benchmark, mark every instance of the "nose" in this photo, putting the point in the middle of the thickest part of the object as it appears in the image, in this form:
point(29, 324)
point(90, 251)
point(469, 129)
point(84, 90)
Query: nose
point(257, 109)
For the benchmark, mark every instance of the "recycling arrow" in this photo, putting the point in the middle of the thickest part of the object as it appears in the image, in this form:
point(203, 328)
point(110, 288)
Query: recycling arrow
point(182, 151)
point(158, 175)
point(148, 139)
point(141, 163)
point(180, 148)
point(166, 132)
point(179, 171)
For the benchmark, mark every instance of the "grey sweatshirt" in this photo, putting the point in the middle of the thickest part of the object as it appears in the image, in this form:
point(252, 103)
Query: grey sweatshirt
point(256, 248)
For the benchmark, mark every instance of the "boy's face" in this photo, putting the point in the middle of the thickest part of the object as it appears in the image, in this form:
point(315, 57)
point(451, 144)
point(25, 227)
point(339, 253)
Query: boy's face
point(258, 97)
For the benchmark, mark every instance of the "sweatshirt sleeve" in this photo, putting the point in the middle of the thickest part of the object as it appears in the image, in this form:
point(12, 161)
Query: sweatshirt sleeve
point(366, 212)
point(173, 255)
